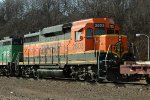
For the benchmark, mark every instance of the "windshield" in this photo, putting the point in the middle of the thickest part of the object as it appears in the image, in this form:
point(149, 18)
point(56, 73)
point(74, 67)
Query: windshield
point(110, 31)
point(99, 32)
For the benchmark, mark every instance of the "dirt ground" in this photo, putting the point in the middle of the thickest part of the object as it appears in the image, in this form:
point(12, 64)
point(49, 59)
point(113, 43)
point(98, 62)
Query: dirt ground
point(21, 89)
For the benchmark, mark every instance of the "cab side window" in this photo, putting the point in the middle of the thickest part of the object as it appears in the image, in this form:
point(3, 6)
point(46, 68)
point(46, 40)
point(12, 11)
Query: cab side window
point(89, 33)
point(77, 35)
point(17, 41)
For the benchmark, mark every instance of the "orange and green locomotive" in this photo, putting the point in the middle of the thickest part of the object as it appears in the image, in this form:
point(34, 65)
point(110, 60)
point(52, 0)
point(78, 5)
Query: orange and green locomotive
point(90, 49)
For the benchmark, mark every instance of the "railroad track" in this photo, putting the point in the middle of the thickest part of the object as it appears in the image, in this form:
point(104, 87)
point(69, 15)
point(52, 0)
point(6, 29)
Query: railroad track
point(138, 85)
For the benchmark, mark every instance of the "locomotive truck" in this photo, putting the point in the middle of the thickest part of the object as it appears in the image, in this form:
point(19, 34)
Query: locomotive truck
point(90, 49)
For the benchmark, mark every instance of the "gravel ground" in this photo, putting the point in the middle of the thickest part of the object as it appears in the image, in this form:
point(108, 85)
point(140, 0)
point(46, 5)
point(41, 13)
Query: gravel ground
point(22, 89)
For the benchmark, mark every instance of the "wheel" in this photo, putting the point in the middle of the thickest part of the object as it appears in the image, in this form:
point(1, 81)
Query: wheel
point(17, 72)
point(147, 77)
point(36, 75)
point(81, 77)
point(100, 80)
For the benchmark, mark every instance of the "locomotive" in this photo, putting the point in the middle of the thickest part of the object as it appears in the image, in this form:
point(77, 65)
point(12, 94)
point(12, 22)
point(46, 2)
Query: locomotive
point(90, 49)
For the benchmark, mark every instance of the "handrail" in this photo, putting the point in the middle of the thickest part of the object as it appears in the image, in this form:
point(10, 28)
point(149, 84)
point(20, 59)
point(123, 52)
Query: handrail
point(67, 51)
point(28, 56)
point(52, 51)
point(45, 55)
point(34, 55)
point(6, 58)
point(39, 55)
point(107, 56)
point(58, 49)
point(2, 58)
point(137, 53)
point(18, 57)
point(98, 58)
point(12, 57)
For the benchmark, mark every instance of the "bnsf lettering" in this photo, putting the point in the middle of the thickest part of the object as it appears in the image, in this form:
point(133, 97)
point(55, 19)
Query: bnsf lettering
point(47, 48)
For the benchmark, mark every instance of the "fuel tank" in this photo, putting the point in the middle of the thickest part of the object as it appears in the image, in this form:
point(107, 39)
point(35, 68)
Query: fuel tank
point(45, 73)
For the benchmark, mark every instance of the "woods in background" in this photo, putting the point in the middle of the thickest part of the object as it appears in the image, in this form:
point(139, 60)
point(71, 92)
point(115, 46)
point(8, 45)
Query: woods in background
point(18, 17)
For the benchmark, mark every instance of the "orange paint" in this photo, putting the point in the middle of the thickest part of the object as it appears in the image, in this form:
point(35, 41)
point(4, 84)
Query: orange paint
point(100, 42)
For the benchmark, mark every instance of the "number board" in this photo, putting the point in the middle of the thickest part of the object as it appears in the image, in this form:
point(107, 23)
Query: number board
point(99, 25)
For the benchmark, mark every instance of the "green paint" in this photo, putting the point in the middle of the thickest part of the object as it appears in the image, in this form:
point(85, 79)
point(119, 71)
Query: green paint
point(10, 53)
point(5, 53)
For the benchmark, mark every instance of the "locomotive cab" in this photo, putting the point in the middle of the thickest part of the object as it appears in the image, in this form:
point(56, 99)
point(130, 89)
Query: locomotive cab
point(102, 37)
point(99, 36)
point(10, 54)
point(10, 48)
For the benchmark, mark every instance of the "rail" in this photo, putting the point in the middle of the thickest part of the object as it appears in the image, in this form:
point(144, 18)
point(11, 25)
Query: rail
point(45, 55)
point(12, 57)
point(58, 54)
point(51, 55)
point(28, 57)
point(39, 55)
point(34, 56)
